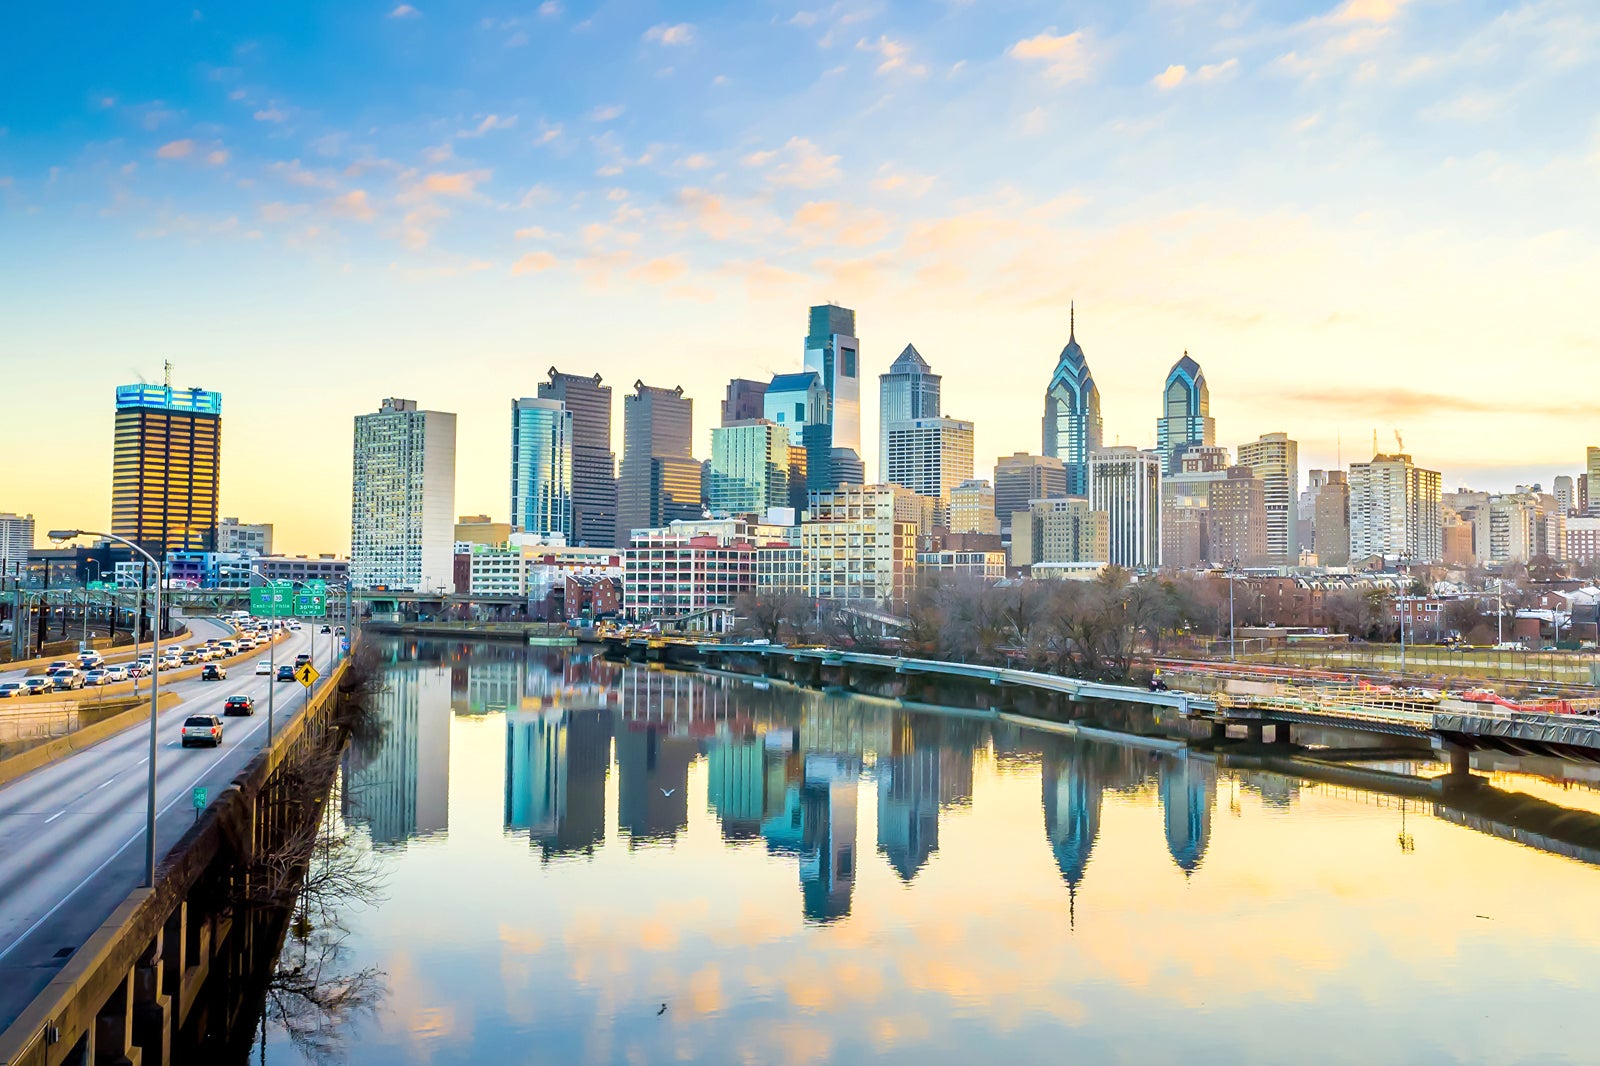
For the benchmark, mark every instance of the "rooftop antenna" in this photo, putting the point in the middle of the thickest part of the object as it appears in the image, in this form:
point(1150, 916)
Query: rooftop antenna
point(1338, 444)
point(167, 372)
point(1400, 444)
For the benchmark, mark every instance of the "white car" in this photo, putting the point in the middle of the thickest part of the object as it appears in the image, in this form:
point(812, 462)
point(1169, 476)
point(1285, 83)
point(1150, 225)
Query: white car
point(114, 674)
point(94, 678)
point(9, 689)
point(202, 729)
point(67, 677)
point(264, 667)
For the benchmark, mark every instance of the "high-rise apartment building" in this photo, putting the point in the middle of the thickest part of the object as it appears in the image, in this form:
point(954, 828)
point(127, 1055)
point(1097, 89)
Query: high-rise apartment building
point(403, 499)
point(1125, 483)
point(909, 391)
point(1591, 479)
point(972, 508)
point(1517, 528)
point(929, 456)
point(1566, 493)
point(1020, 478)
point(1237, 519)
point(749, 468)
point(661, 481)
point(16, 541)
point(1396, 510)
point(833, 354)
point(1066, 530)
point(166, 465)
point(541, 467)
point(745, 400)
point(1185, 420)
point(594, 464)
point(254, 538)
point(1276, 462)
point(1331, 520)
point(1072, 425)
point(859, 542)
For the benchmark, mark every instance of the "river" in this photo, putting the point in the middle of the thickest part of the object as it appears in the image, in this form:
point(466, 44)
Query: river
point(577, 861)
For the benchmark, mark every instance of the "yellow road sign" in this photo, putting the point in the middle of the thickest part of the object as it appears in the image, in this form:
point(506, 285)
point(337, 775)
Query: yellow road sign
point(306, 674)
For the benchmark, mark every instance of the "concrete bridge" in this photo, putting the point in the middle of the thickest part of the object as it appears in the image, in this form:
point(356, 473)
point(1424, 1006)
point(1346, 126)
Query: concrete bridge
point(184, 961)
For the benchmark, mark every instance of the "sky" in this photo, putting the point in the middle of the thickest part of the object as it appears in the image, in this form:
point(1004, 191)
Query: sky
point(1361, 217)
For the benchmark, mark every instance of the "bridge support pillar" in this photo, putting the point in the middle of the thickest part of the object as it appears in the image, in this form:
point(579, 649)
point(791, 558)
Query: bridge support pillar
point(1254, 730)
point(1219, 729)
point(1460, 763)
point(1280, 733)
point(152, 1007)
point(113, 1029)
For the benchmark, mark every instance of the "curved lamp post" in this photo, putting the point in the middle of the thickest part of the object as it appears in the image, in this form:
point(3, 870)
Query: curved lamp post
point(59, 535)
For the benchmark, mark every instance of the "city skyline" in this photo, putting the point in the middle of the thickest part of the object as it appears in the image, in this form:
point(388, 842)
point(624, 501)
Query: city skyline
point(380, 201)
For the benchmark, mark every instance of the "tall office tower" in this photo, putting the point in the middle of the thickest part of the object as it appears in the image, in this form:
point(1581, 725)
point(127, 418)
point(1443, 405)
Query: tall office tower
point(1072, 426)
point(594, 465)
point(972, 508)
point(403, 499)
point(749, 468)
point(1332, 520)
point(1591, 479)
point(1566, 493)
point(910, 390)
point(1396, 510)
point(16, 541)
point(746, 399)
point(1125, 483)
point(799, 403)
point(661, 479)
point(541, 467)
point(1021, 478)
point(166, 461)
point(1186, 506)
point(1065, 530)
point(1185, 420)
point(833, 353)
point(1305, 511)
point(1276, 461)
point(1237, 519)
point(929, 456)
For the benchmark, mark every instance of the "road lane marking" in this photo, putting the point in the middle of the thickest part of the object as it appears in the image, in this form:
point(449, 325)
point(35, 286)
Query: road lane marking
point(54, 816)
point(98, 787)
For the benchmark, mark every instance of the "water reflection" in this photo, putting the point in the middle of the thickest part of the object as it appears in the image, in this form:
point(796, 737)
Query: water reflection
point(697, 841)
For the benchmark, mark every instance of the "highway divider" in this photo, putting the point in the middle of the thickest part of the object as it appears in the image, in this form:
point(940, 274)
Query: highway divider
point(132, 711)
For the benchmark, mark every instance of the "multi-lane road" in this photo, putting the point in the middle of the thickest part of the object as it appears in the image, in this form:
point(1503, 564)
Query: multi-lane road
point(72, 832)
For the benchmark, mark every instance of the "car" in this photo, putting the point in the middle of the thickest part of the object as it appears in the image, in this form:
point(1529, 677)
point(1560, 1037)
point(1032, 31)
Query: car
point(61, 664)
point(67, 677)
point(38, 684)
point(89, 660)
point(169, 662)
point(264, 667)
point(285, 672)
point(339, 630)
point(94, 678)
point(325, 629)
point(240, 704)
point(9, 689)
point(229, 647)
point(202, 729)
point(294, 627)
point(115, 674)
point(302, 659)
point(213, 672)
point(189, 657)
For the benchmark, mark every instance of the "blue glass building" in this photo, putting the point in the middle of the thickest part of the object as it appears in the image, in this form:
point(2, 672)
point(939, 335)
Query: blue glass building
point(541, 467)
point(1072, 425)
point(1185, 420)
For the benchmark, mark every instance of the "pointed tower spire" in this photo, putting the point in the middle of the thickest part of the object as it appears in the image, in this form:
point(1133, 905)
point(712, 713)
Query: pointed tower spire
point(1072, 320)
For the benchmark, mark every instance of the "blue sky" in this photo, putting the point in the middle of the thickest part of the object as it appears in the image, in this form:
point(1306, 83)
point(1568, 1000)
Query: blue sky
point(1355, 215)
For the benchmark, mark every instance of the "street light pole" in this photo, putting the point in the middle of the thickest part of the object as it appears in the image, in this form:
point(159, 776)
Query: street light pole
point(59, 535)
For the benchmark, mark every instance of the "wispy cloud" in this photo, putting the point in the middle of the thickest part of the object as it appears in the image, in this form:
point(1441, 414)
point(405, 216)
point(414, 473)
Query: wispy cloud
point(1177, 74)
point(175, 149)
point(798, 164)
point(679, 34)
point(488, 124)
point(353, 204)
point(271, 114)
point(405, 11)
point(895, 56)
point(550, 9)
point(606, 112)
point(533, 263)
point(1066, 57)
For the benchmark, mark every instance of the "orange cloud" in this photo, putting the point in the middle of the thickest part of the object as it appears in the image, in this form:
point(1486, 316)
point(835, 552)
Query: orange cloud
point(175, 149)
point(533, 263)
point(1066, 58)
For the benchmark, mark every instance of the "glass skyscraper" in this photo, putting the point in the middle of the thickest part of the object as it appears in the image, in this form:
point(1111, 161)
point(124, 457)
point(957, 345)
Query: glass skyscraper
point(1072, 426)
point(165, 467)
point(749, 468)
point(1185, 420)
point(833, 352)
point(910, 390)
point(661, 480)
point(541, 467)
point(594, 464)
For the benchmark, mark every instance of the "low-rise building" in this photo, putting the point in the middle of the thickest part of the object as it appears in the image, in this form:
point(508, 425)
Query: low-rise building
point(689, 572)
point(984, 566)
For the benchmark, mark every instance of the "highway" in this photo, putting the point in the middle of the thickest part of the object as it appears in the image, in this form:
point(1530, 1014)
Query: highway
point(200, 631)
point(72, 833)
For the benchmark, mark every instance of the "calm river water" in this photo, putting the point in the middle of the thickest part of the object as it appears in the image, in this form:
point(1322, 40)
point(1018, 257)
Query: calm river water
point(583, 862)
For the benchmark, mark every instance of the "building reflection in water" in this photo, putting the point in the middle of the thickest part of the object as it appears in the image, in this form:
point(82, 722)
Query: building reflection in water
point(399, 787)
point(1188, 792)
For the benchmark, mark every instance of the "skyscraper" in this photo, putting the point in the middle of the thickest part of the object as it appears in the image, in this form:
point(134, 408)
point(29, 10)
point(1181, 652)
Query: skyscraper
point(1237, 519)
point(1125, 483)
point(1331, 522)
point(800, 403)
point(165, 467)
point(661, 480)
point(16, 541)
point(1396, 510)
point(1185, 414)
point(929, 456)
point(972, 508)
point(744, 401)
point(1592, 479)
point(541, 467)
point(403, 499)
point(909, 390)
point(1276, 461)
point(1072, 425)
point(594, 465)
point(832, 351)
point(749, 467)
point(1021, 478)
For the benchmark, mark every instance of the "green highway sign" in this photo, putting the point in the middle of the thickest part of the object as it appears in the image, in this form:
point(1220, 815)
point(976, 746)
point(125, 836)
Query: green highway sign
point(199, 797)
point(283, 599)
